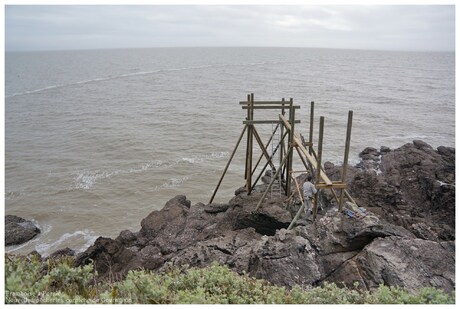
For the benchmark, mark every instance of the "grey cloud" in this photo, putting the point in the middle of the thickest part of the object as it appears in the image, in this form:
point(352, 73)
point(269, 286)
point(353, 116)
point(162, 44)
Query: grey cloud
point(369, 27)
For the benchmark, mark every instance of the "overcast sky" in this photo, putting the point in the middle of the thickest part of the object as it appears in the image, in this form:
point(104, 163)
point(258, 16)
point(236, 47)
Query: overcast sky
point(355, 27)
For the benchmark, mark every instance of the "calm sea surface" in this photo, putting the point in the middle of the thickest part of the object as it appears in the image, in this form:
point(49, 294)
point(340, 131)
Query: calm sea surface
point(96, 140)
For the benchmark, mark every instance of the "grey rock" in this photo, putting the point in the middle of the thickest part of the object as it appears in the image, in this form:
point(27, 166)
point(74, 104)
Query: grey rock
point(19, 230)
point(395, 261)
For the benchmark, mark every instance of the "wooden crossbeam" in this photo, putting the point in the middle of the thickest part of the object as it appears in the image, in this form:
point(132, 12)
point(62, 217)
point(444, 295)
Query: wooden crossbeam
point(265, 102)
point(264, 121)
point(268, 107)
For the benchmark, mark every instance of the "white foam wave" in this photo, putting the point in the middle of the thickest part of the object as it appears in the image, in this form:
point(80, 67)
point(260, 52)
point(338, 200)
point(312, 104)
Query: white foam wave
point(106, 78)
point(13, 195)
point(172, 183)
point(86, 237)
point(87, 179)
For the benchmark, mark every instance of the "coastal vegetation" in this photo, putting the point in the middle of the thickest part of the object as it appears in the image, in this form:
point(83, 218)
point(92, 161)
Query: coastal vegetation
point(31, 280)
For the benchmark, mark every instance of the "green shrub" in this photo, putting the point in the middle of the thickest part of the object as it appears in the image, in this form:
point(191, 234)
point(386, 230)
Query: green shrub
point(29, 280)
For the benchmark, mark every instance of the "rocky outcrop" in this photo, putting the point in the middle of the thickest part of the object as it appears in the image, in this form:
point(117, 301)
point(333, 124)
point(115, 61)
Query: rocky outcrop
point(412, 186)
point(19, 230)
point(396, 261)
point(404, 238)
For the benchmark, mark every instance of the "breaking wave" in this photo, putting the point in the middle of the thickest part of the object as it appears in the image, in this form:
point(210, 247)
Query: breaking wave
point(85, 238)
point(87, 179)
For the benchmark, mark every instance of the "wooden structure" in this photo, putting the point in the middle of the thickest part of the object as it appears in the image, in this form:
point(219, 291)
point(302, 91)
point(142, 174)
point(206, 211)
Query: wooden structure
point(290, 141)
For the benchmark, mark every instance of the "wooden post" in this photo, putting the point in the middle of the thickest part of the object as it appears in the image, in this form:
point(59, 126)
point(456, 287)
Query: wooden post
point(272, 181)
point(250, 143)
point(282, 144)
point(310, 137)
point(345, 156)
point(318, 167)
point(291, 143)
point(247, 141)
point(228, 164)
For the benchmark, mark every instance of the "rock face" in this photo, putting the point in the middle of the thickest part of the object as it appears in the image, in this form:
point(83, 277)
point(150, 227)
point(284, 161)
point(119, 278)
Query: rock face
point(412, 186)
point(406, 239)
point(19, 230)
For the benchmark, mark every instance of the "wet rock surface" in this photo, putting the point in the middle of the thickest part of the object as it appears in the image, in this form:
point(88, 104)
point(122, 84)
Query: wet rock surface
point(405, 239)
point(19, 230)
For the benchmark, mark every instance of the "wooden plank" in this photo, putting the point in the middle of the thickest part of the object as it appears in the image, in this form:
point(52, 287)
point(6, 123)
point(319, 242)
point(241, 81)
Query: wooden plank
point(312, 160)
point(286, 123)
point(322, 185)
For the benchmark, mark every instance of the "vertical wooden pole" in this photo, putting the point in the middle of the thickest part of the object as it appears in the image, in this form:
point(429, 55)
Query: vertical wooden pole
point(345, 156)
point(282, 144)
point(228, 164)
point(310, 138)
point(250, 137)
point(318, 167)
point(247, 141)
point(291, 143)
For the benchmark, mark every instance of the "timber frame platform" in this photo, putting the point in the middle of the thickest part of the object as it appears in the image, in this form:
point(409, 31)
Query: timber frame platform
point(289, 140)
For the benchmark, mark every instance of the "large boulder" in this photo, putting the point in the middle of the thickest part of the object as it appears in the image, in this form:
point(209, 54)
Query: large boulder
point(19, 230)
point(395, 261)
